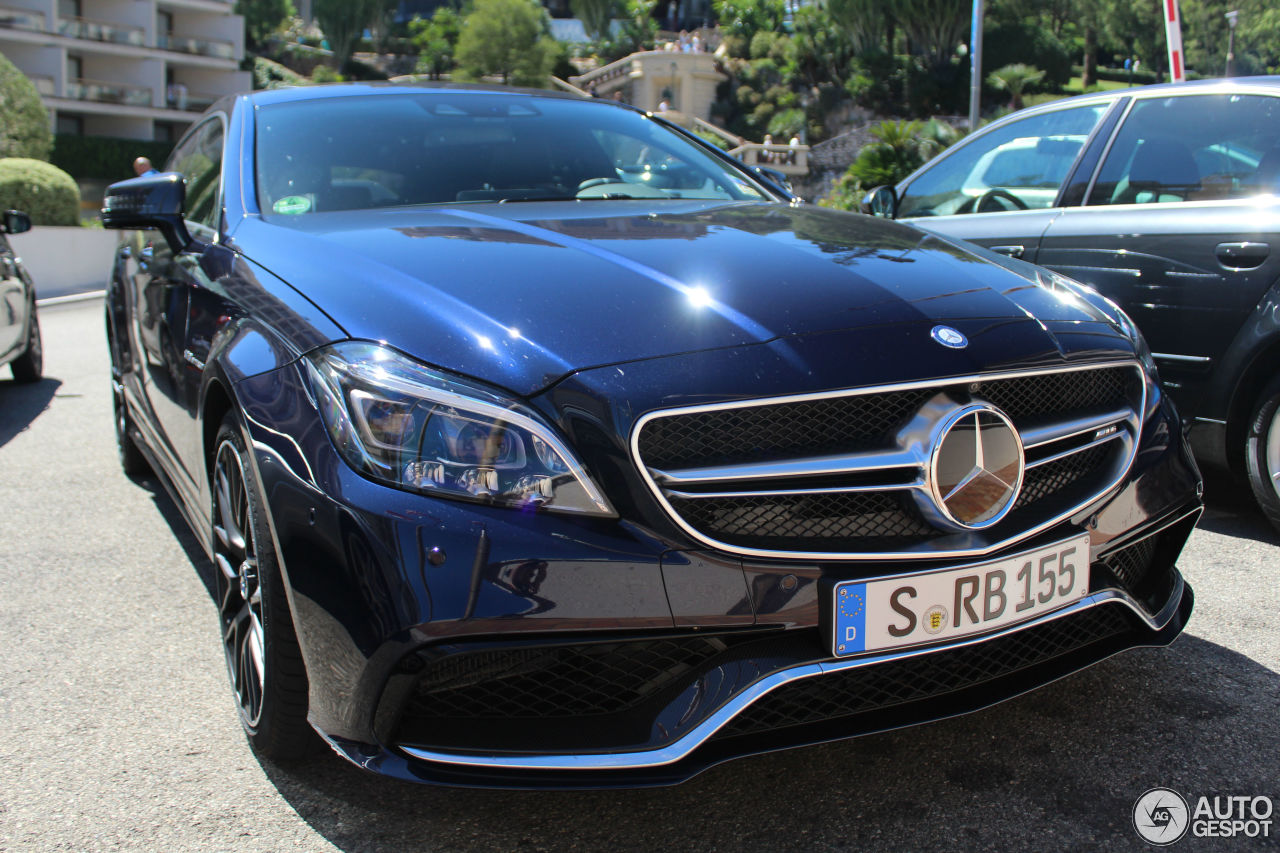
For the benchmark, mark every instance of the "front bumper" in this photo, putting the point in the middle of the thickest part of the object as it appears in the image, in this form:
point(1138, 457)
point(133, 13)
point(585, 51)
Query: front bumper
point(420, 620)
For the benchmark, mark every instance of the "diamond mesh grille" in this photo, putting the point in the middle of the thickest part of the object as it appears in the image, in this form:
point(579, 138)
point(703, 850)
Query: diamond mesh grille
point(860, 422)
point(559, 681)
point(840, 694)
point(1131, 564)
point(852, 521)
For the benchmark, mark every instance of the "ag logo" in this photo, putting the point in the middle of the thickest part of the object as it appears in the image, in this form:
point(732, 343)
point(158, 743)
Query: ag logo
point(1161, 816)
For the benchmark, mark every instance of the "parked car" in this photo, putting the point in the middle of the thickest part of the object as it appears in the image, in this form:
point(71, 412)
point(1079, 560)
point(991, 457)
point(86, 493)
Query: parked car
point(536, 442)
point(1165, 199)
point(20, 346)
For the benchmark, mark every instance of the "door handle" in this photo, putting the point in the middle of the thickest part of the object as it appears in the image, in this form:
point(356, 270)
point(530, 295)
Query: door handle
point(1242, 256)
point(1011, 251)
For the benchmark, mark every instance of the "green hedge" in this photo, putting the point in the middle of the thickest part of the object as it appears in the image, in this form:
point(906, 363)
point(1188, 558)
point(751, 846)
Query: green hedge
point(44, 192)
point(104, 157)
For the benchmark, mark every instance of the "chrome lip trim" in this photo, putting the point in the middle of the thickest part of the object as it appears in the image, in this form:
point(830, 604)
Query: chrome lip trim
point(1190, 359)
point(927, 551)
point(1033, 438)
point(701, 733)
point(1081, 449)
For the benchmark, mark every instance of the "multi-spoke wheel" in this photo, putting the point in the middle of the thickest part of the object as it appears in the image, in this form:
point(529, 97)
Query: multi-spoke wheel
point(263, 661)
point(1262, 452)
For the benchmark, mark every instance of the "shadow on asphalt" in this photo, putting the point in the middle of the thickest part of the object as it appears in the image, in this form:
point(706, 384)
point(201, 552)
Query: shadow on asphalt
point(21, 403)
point(1066, 763)
point(191, 546)
point(1230, 510)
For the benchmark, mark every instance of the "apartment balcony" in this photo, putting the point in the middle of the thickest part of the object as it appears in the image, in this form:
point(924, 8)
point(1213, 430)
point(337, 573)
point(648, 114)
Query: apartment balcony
point(101, 92)
point(198, 47)
point(84, 28)
point(22, 19)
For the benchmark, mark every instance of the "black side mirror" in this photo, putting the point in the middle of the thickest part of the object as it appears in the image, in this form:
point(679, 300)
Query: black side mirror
point(152, 201)
point(775, 179)
point(16, 222)
point(881, 201)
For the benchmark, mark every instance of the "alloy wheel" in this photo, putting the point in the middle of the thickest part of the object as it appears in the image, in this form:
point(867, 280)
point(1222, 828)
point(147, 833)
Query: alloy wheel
point(1273, 451)
point(239, 590)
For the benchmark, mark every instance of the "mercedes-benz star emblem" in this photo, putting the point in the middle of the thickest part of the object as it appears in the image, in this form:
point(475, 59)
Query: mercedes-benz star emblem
point(976, 467)
point(949, 337)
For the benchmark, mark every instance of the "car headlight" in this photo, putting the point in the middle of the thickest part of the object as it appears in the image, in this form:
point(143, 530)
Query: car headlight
point(1060, 284)
point(415, 428)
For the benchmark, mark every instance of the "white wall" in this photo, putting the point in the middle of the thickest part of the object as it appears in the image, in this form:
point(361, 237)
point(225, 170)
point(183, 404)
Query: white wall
point(66, 259)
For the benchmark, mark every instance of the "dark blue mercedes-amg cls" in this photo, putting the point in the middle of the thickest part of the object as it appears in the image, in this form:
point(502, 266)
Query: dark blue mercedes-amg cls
point(536, 442)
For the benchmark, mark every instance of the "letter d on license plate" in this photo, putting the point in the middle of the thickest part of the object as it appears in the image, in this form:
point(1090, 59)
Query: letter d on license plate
point(909, 610)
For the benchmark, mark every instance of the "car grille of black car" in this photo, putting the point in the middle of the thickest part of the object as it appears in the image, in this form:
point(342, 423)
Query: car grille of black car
point(928, 676)
point(878, 515)
point(610, 696)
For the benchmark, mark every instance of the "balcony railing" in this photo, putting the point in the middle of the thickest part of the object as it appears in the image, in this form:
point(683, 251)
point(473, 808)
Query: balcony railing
point(44, 85)
point(21, 19)
point(83, 28)
point(178, 98)
point(101, 92)
point(199, 47)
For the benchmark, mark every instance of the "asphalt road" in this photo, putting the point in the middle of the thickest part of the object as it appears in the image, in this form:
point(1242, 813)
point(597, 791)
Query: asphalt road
point(118, 730)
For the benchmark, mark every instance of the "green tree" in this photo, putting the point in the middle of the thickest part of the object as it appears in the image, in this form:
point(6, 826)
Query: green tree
point(745, 18)
point(596, 15)
point(900, 147)
point(506, 38)
point(934, 27)
point(1015, 79)
point(263, 18)
point(342, 22)
point(24, 131)
point(864, 22)
point(436, 40)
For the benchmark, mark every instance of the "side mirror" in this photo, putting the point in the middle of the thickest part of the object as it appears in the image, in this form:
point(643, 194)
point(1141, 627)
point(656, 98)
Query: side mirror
point(881, 201)
point(152, 201)
point(775, 179)
point(15, 222)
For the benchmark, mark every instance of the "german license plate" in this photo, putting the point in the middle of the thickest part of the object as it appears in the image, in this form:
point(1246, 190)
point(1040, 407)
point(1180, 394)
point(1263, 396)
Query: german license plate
point(910, 610)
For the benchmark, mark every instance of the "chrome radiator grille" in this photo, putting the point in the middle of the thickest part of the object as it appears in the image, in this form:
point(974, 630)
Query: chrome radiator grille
point(836, 475)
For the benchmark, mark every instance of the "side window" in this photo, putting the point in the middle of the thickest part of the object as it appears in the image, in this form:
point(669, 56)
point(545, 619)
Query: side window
point(199, 158)
point(1193, 148)
point(1019, 166)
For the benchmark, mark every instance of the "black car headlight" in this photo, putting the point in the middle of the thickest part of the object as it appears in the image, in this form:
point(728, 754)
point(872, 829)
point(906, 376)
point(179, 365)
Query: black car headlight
point(420, 429)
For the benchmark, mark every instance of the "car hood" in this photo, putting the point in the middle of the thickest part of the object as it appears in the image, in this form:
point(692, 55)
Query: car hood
point(521, 295)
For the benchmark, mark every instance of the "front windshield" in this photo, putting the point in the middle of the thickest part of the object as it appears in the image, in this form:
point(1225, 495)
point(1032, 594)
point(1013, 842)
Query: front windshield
point(350, 153)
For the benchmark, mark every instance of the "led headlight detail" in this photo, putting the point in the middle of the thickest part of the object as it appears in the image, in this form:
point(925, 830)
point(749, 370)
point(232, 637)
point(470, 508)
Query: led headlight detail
point(416, 428)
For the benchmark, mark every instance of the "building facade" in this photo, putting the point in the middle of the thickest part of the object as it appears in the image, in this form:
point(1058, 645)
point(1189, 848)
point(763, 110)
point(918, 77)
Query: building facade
point(136, 69)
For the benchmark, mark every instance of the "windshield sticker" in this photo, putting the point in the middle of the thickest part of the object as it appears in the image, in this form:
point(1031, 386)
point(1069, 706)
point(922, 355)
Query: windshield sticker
point(292, 204)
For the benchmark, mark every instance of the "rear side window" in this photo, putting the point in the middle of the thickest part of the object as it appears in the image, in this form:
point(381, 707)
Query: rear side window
point(1193, 148)
point(1019, 166)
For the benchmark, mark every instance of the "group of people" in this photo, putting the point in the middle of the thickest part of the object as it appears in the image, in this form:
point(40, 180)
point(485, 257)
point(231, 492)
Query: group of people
point(773, 154)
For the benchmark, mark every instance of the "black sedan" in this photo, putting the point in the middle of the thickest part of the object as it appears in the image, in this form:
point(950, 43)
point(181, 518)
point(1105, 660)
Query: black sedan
point(535, 442)
point(20, 346)
point(1165, 199)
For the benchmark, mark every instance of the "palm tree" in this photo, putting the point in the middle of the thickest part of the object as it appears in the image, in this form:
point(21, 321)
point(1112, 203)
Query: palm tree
point(1014, 79)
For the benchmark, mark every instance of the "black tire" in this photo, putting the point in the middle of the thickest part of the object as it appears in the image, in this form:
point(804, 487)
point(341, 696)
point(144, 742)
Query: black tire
point(1262, 452)
point(29, 367)
point(270, 685)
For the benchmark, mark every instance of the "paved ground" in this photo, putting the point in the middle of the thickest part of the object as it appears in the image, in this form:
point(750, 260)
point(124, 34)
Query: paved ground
point(118, 732)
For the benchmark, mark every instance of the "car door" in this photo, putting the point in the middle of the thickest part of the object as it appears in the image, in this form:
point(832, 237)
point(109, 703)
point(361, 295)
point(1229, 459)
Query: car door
point(1001, 189)
point(1181, 226)
point(13, 309)
point(163, 282)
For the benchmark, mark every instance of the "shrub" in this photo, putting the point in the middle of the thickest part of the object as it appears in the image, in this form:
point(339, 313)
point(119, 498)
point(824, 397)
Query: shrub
point(24, 131)
point(44, 192)
point(104, 157)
